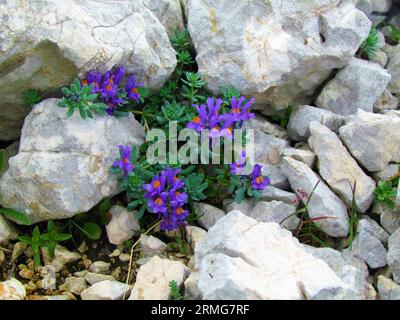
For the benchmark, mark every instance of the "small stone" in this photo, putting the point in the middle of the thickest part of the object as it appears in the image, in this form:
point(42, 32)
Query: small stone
point(261, 123)
point(152, 280)
point(106, 290)
point(115, 253)
point(12, 290)
point(387, 173)
point(49, 280)
point(389, 217)
point(83, 247)
point(93, 278)
point(393, 67)
point(208, 214)
point(62, 257)
point(194, 235)
point(124, 257)
point(340, 171)
point(386, 101)
point(100, 267)
point(381, 234)
point(2, 257)
point(26, 273)
point(245, 206)
point(74, 284)
point(122, 226)
point(381, 58)
point(371, 293)
point(18, 249)
point(271, 193)
point(275, 211)
point(372, 139)
point(301, 117)
point(393, 255)
point(388, 290)
point(192, 291)
point(116, 273)
point(357, 86)
point(7, 230)
point(306, 156)
point(81, 274)
point(87, 263)
point(368, 247)
point(151, 246)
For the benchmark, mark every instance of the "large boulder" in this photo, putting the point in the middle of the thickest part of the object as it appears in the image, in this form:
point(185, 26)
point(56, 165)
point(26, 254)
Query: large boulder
point(62, 167)
point(356, 86)
point(234, 266)
point(169, 12)
point(372, 139)
point(45, 44)
point(279, 51)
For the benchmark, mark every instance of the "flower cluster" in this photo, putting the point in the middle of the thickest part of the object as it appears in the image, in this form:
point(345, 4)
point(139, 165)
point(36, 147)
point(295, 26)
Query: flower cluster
point(221, 124)
point(110, 89)
point(166, 198)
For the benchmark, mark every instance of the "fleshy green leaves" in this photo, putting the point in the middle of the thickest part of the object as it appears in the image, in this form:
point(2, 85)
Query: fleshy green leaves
point(386, 192)
point(369, 47)
point(175, 292)
point(394, 34)
point(16, 216)
point(192, 84)
point(195, 186)
point(80, 98)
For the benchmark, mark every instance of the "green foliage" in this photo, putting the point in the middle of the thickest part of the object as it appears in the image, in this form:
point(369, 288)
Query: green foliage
point(16, 216)
point(89, 229)
point(36, 242)
point(175, 292)
point(180, 40)
point(195, 186)
point(284, 121)
point(353, 217)
point(48, 240)
point(369, 47)
point(241, 186)
point(385, 192)
point(31, 97)
point(81, 98)
point(52, 237)
point(3, 161)
point(179, 246)
point(104, 207)
point(191, 87)
point(394, 34)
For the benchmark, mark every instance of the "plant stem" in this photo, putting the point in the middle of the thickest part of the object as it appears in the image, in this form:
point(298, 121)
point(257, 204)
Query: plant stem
point(131, 258)
point(4, 249)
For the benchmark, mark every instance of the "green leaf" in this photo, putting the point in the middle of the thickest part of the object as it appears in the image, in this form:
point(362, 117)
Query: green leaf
point(3, 161)
point(105, 205)
point(16, 216)
point(92, 230)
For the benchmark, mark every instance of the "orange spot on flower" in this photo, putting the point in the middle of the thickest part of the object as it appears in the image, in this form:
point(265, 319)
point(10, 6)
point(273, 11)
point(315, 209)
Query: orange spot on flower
point(196, 119)
point(260, 180)
point(235, 110)
point(84, 82)
point(156, 184)
point(179, 211)
point(134, 90)
point(158, 201)
point(126, 160)
point(108, 87)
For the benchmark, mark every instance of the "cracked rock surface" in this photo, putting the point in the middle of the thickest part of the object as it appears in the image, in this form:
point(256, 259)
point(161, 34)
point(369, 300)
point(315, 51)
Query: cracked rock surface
point(62, 167)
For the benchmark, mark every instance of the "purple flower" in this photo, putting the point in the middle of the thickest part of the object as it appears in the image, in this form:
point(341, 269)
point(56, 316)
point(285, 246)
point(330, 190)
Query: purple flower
point(239, 112)
point(166, 198)
point(158, 204)
point(237, 167)
point(156, 186)
point(125, 161)
point(94, 78)
point(132, 88)
point(258, 182)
